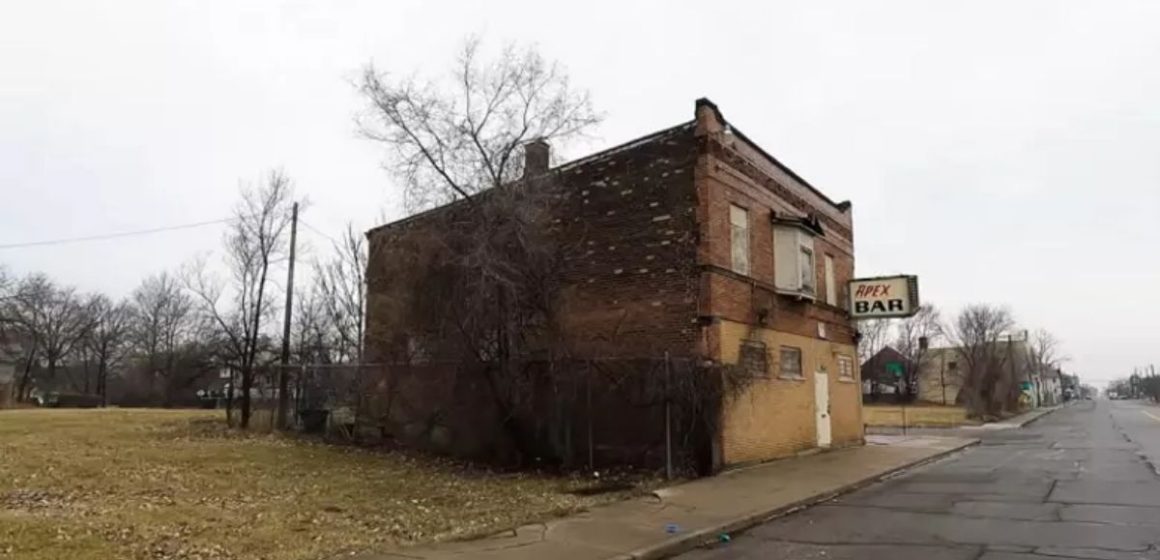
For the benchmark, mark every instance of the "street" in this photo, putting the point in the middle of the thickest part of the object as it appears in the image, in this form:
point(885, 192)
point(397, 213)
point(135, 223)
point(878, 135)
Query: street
point(1079, 483)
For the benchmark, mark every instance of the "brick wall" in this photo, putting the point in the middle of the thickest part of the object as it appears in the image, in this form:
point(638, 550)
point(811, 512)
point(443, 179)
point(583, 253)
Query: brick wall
point(776, 416)
point(626, 223)
point(631, 275)
point(647, 271)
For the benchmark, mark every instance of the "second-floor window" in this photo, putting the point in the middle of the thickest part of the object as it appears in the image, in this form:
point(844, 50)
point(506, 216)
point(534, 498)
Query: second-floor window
point(807, 269)
point(739, 238)
point(793, 261)
point(831, 282)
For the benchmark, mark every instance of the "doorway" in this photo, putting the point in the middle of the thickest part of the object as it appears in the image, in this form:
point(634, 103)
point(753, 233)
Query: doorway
point(822, 407)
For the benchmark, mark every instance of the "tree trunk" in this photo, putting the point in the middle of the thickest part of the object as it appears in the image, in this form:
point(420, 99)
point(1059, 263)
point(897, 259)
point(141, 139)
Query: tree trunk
point(230, 398)
point(102, 373)
point(247, 384)
point(25, 377)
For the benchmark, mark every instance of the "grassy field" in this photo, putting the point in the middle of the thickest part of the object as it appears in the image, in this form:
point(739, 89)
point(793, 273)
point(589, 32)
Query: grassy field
point(88, 484)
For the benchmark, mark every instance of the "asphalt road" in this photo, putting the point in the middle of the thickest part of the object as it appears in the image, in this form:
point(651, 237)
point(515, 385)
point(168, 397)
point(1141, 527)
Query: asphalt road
point(1079, 483)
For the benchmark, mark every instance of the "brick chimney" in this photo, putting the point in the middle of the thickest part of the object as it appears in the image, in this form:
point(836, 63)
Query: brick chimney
point(536, 157)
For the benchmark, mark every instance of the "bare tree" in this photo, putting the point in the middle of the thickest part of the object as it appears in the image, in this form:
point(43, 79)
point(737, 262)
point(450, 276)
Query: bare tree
point(163, 324)
point(873, 335)
point(1044, 356)
point(977, 333)
point(50, 320)
point(485, 274)
point(450, 141)
point(255, 242)
point(107, 343)
point(340, 286)
point(313, 340)
point(913, 337)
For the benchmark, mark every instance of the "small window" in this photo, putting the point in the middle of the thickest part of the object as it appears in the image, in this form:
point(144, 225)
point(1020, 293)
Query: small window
point(831, 285)
point(791, 362)
point(845, 368)
point(753, 359)
point(739, 238)
point(952, 366)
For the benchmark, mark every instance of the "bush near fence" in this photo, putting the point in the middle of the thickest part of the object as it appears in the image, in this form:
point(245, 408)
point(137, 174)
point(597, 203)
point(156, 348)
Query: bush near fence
point(572, 414)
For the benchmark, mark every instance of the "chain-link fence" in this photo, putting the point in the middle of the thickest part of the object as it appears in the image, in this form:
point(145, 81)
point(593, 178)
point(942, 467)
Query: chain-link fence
point(650, 412)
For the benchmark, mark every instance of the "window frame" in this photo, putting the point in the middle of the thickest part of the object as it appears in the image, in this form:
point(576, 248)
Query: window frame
point(794, 251)
point(739, 262)
point(845, 368)
point(807, 269)
point(831, 280)
point(781, 373)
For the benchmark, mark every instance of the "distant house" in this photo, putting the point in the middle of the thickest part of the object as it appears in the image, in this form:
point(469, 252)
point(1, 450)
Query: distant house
point(881, 374)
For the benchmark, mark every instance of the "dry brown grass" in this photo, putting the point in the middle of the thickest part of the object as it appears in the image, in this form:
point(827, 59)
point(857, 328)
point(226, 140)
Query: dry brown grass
point(89, 484)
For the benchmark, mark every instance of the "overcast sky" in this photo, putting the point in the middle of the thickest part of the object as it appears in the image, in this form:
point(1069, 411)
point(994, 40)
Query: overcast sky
point(1006, 152)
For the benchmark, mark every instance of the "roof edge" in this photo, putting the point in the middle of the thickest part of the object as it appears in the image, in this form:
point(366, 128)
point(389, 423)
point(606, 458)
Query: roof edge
point(705, 102)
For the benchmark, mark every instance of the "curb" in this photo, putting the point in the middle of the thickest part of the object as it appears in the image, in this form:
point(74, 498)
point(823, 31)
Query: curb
point(699, 537)
point(1046, 413)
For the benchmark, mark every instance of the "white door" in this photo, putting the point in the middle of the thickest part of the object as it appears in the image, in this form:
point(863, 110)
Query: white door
point(822, 406)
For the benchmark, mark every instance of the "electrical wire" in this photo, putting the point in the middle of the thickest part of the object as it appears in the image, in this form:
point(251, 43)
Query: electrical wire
point(318, 231)
point(111, 235)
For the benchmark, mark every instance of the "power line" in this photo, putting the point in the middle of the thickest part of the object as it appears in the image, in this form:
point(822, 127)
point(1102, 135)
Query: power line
point(111, 235)
point(318, 231)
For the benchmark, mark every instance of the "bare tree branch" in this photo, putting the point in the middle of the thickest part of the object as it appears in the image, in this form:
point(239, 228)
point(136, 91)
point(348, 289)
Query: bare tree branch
point(454, 139)
point(977, 333)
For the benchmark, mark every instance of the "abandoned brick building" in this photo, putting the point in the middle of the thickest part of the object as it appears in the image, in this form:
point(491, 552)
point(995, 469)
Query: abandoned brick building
point(700, 246)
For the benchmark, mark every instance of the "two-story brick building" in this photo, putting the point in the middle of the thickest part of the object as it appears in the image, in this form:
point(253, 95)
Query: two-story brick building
point(696, 243)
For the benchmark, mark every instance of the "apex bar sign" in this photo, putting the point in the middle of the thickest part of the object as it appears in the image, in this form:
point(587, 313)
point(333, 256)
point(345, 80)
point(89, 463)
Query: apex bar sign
point(884, 296)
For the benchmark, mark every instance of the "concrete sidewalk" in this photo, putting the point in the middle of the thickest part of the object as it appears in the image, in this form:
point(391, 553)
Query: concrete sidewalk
point(682, 517)
point(1022, 419)
point(969, 431)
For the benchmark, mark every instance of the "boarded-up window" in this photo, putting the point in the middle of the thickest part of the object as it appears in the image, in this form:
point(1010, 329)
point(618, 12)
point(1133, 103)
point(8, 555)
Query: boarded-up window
point(739, 238)
point(753, 358)
point(790, 364)
point(831, 282)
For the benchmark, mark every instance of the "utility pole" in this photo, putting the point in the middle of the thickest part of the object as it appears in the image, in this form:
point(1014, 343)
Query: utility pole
point(284, 370)
point(942, 374)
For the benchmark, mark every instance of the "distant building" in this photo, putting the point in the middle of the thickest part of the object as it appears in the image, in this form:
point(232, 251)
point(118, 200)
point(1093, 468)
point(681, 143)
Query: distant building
point(882, 374)
point(944, 370)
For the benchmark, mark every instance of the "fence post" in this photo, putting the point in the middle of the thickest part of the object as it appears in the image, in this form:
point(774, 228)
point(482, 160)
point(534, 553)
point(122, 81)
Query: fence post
point(588, 398)
point(668, 422)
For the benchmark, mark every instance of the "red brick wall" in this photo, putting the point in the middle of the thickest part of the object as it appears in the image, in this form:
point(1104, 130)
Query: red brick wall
point(738, 297)
point(632, 281)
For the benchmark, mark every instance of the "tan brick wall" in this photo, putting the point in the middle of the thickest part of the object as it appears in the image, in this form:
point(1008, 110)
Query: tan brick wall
point(915, 416)
point(943, 367)
point(776, 417)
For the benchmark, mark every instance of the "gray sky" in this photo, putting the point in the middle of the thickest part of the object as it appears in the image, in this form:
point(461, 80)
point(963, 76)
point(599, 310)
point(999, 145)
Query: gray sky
point(1006, 152)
